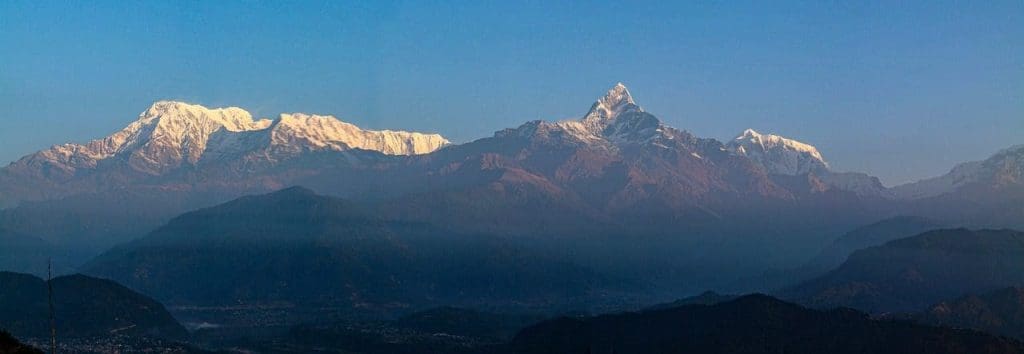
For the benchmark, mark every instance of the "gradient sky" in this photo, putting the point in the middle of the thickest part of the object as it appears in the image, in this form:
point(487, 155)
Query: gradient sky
point(900, 90)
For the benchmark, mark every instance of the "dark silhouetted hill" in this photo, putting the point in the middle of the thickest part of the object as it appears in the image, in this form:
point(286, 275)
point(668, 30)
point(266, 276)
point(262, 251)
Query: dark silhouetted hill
point(296, 247)
point(909, 274)
point(752, 324)
point(84, 307)
point(999, 312)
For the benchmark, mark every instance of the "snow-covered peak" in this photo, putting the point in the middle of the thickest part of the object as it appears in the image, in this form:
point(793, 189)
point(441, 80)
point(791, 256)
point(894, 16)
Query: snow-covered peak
point(171, 134)
point(304, 131)
point(231, 118)
point(769, 141)
point(613, 119)
point(1005, 167)
point(777, 154)
point(613, 104)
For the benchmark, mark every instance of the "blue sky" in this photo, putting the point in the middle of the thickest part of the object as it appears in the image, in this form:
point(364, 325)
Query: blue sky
point(900, 90)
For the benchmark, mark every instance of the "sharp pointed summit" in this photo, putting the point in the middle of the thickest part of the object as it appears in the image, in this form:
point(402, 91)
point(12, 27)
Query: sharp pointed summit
point(613, 118)
point(614, 103)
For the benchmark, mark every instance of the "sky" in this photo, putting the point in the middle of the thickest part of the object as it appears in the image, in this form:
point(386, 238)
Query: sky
point(900, 90)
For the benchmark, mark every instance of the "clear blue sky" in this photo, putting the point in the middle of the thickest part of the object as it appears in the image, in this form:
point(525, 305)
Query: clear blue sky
point(901, 90)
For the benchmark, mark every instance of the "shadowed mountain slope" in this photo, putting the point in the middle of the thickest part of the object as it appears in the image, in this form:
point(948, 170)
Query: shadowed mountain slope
point(750, 324)
point(296, 247)
point(84, 307)
point(908, 274)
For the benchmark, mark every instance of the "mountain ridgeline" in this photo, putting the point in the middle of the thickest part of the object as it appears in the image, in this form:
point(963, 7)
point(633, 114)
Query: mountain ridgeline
point(199, 209)
point(616, 190)
point(83, 307)
point(296, 247)
point(909, 274)
point(618, 174)
point(749, 324)
point(875, 234)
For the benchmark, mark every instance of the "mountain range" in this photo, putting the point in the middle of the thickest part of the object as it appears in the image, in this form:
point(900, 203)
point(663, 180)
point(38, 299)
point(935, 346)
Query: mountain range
point(175, 145)
point(304, 232)
point(171, 136)
point(616, 192)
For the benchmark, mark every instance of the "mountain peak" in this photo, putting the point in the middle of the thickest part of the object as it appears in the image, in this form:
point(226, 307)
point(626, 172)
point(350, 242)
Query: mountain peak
point(231, 118)
point(171, 134)
point(749, 133)
point(299, 131)
point(614, 103)
point(168, 107)
point(613, 117)
point(1005, 167)
point(779, 155)
point(768, 141)
point(618, 94)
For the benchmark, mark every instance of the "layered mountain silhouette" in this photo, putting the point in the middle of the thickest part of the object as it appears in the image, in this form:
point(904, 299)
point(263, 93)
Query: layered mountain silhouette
point(180, 146)
point(296, 247)
point(174, 158)
point(616, 189)
point(617, 173)
point(749, 324)
point(909, 274)
point(875, 234)
point(84, 307)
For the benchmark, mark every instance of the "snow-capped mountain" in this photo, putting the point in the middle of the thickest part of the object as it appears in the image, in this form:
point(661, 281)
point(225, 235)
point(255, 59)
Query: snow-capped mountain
point(620, 163)
point(979, 194)
point(1004, 168)
point(778, 155)
point(788, 157)
point(617, 169)
point(613, 119)
point(615, 142)
point(170, 135)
